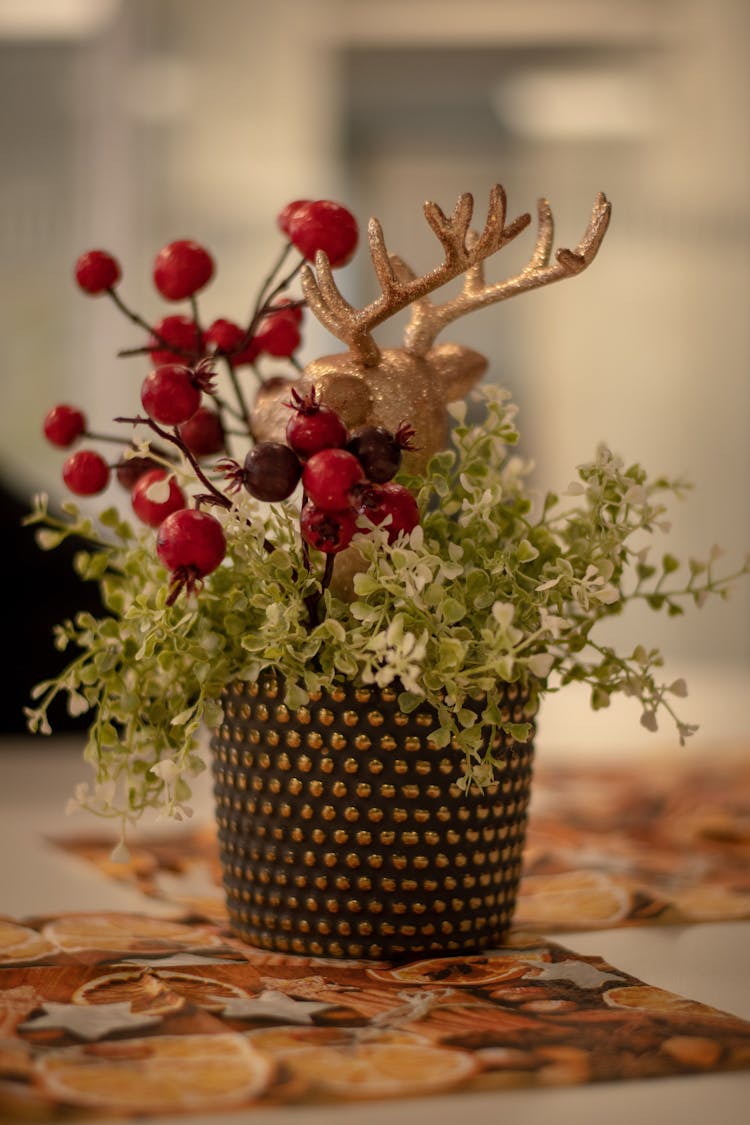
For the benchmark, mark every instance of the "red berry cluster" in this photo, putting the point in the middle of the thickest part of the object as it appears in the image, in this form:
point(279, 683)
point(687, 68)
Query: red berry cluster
point(344, 476)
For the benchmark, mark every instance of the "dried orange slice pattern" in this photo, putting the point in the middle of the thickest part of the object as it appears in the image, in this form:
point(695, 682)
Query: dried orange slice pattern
point(573, 899)
point(124, 933)
point(707, 903)
point(381, 1070)
point(158, 991)
point(158, 1074)
point(449, 972)
point(20, 943)
point(647, 998)
point(138, 987)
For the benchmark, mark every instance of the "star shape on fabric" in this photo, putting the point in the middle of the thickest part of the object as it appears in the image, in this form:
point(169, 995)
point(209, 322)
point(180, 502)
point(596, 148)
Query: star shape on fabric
point(273, 1005)
point(580, 973)
point(176, 960)
point(89, 1021)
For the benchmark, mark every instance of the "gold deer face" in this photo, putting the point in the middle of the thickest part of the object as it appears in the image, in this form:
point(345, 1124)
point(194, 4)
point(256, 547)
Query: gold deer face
point(415, 383)
point(402, 386)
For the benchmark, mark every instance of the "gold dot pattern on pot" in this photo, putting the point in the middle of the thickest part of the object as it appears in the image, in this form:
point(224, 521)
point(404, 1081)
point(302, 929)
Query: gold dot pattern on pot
point(342, 832)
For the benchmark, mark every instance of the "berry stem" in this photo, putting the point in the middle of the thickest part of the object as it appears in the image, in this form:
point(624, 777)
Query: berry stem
point(107, 437)
point(215, 496)
point(327, 573)
point(195, 314)
point(271, 289)
point(244, 410)
point(138, 320)
point(155, 337)
point(313, 600)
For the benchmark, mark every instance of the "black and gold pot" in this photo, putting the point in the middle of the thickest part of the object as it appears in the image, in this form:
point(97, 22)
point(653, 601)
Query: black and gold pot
point(342, 832)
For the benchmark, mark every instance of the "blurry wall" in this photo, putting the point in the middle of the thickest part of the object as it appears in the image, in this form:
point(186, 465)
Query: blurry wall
point(127, 124)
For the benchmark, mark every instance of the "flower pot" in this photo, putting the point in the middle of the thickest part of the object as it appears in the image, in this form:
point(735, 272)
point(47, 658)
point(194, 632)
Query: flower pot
point(343, 833)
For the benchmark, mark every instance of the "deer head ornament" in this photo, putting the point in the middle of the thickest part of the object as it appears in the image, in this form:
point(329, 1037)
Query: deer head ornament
point(415, 382)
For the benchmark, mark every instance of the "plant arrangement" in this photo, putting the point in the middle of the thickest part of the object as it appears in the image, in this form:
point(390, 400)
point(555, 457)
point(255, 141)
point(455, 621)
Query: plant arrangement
point(365, 519)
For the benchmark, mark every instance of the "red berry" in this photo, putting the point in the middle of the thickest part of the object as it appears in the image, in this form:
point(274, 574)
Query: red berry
point(294, 308)
point(96, 272)
point(63, 424)
point(170, 394)
point(226, 336)
point(203, 433)
point(152, 511)
point(180, 333)
point(248, 354)
point(181, 269)
point(326, 531)
point(271, 471)
point(278, 333)
point(86, 473)
point(329, 476)
point(131, 469)
point(378, 501)
point(190, 544)
point(313, 426)
point(324, 225)
point(283, 217)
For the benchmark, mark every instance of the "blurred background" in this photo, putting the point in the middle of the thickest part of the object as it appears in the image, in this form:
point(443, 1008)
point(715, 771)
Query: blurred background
point(127, 123)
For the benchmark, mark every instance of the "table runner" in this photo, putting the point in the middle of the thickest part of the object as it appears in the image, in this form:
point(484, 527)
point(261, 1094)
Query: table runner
point(125, 1014)
point(607, 846)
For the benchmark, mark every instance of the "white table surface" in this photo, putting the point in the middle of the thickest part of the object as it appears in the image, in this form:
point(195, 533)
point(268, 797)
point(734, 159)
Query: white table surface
point(709, 963)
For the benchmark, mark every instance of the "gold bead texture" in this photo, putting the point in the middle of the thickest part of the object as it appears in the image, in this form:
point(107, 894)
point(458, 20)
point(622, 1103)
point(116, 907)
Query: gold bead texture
point(342, 832)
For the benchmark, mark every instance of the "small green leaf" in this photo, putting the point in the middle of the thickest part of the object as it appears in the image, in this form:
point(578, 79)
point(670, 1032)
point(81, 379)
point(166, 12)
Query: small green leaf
point(452, 610)
point(408, 701)
point(520, 732)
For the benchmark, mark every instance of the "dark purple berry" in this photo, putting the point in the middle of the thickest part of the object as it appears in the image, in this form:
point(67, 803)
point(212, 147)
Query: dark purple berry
point(271, 471)
point(378, 452)
point(131, 469)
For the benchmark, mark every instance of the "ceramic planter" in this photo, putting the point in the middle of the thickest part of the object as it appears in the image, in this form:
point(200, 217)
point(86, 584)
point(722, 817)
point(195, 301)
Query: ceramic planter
point(342, 831)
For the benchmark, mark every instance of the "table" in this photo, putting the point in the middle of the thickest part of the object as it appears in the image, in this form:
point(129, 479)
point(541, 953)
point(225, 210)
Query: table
point(708, 962)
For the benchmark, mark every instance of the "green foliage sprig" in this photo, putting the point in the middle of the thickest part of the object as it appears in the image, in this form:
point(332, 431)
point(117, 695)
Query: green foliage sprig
point(492, 586)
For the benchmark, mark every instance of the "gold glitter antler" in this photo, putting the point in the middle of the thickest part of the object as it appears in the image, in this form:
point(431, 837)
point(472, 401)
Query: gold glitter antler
point(429, 319)
point(399, 287)
point(465, 253)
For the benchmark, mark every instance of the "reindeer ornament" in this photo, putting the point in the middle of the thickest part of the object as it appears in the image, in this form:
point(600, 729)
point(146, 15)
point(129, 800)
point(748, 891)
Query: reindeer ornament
point(415, 382)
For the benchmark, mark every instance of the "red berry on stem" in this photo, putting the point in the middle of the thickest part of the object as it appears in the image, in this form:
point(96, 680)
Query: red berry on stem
point(96, 272)
point(271, 471)
point(294, 308)
point(326, 531)
point(278, 333)
point(63, 424)
point(329, 476)
point(248, 354)
point(313, 426)
point(226, 336)
point(153, 511)
point(180, 333)
point(191, 544)
point(203, 433)
point(283, 217)
point(232, 341)
point(379, 501)
point(323, 225)
point(181, 269)
point(86, 473)
point(170, 394)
